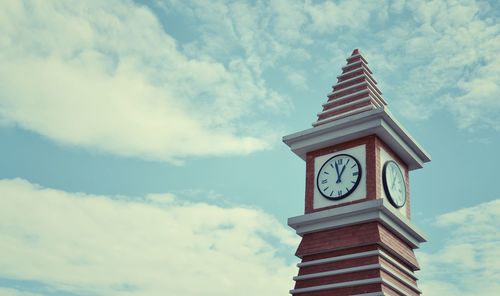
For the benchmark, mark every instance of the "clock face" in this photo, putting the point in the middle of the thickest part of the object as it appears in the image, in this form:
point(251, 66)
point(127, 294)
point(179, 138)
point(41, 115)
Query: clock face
point(339, 176)
point(394, 184)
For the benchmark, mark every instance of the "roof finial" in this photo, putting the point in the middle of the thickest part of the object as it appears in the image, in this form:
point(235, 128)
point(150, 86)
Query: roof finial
point(355, 52)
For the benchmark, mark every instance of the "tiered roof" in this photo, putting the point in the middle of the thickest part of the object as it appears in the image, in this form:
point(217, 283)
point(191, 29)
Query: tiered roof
point(355, 92)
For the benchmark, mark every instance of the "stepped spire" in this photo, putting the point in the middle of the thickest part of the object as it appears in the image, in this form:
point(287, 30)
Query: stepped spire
point(355, 91)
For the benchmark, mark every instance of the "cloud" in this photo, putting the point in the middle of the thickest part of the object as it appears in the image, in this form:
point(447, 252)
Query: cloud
point(100, 245)
point(106, 76)
point(190, 78)
point(14, 292)
point(450, 50)
point(468, 262)
point(328, 17)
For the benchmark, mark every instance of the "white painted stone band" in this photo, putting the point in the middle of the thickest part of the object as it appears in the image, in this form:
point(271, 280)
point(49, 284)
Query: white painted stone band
point(345, 97)
point(338, 285)
point(361, 75)
point(346, 105)
point(372, 210)
point(378, 122)
point(363, 67)
point(355, 56)
point(394, 286)
point(347, 88)
point(339, 258)
point(336, 272)
point(354, 111)
point(380, 253)
point(397, 264)
point(354, 64)
point(351, 71)
point(371, 79)
point(352, 284)
point(384, 267)
point(398, 277)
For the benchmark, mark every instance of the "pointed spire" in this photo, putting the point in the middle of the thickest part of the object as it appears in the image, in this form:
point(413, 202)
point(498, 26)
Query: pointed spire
point(355, 91)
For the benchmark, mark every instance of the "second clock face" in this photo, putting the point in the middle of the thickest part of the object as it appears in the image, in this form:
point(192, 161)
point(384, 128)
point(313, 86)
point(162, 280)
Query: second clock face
point(339, 176)
point(394, 184)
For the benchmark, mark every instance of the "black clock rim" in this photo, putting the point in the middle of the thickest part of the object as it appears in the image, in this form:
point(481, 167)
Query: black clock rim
point(358, 180)
point(386, 186)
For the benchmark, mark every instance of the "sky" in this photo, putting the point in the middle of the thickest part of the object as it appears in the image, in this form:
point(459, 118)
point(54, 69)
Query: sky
point(141, 151)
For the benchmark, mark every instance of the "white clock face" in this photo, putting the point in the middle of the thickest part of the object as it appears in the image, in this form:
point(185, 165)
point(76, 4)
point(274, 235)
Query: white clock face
point(394, 184)
point(339, 176)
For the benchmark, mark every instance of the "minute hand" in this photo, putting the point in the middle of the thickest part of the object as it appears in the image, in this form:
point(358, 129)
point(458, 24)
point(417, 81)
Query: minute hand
point(340, 175)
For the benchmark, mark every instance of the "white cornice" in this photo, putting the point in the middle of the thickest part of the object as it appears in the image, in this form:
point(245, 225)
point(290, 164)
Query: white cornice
point(345, 105)
point(339, 258)
point(345, 97)
point(381, 266)
point(344, 114)
point(373, 210)
point(341, 90)
point(338, 285)
point(378, 122)
point(380, 253)
point(355, 56)
point(361, 75)
point(336, 272)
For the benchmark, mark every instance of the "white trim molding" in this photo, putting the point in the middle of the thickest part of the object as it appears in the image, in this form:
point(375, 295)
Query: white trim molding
point(383, 267)
point(336, 272)
point(377, 280)
point(341, 90)
point(346, 105)
point(339, 258)
point(378, 122)
point(355, 56)
point(344, 97)
point(344, 114)
point(338, 285)
point(373, 210)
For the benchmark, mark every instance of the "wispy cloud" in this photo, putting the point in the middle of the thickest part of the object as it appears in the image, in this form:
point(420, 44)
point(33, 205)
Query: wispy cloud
point(107, 76)
point(102, 245)
point(103, 75)
point(468, 263)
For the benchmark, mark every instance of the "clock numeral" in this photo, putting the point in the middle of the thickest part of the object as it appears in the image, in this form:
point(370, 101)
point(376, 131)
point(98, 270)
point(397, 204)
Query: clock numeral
point(339, 161)
point(347, 161)
point(347, 189)
point(324, 181)
point(353, 166)
point(326, 189)
point(355, 173)
point(339, 192)
point(326, 172)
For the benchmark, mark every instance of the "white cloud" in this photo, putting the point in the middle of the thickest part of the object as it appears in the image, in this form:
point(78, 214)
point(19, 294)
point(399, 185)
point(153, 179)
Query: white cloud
point(107, 76)
point(469, 261)
point(103, 75)
point(14, 292)
point(450, 49)
point(328, 16)
point(82, 243)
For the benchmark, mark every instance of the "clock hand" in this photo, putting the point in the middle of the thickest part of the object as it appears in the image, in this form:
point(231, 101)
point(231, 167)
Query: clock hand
point(342, 171)
point(338, 175)
point(393, 183)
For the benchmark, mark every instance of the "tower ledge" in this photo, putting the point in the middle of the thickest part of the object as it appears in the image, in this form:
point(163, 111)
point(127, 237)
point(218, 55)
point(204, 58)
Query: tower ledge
point(378, 122)
point(372, 210)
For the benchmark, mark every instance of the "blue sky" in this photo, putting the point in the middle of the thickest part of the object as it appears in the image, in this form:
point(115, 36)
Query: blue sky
point(140, 142)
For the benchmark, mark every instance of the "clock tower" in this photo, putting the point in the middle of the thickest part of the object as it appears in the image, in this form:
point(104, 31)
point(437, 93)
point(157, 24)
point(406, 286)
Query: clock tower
point(357, 234)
